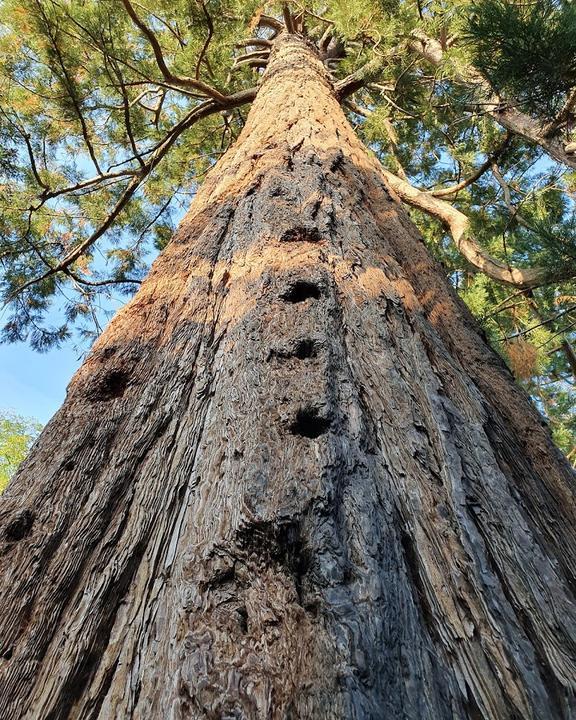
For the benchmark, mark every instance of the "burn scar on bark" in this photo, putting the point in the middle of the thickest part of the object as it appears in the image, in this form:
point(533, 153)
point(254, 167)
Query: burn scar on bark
point(301, 234)
point(302, 349)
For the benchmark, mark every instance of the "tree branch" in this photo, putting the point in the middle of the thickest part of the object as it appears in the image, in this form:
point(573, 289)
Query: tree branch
point(201, 111)
point(552, 127)
point(486, 165)
point(26, 137)
point(288, 19)
point(503, 112)
point(207, 41)
point(459, 228)
point(268, 21)
point(254, 42)
point(178, 81)
point(372, 70)
point(69, 85)
point(126, 110)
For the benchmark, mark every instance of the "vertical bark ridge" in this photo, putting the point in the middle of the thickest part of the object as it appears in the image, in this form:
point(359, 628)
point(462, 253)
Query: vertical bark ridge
point(291, 480)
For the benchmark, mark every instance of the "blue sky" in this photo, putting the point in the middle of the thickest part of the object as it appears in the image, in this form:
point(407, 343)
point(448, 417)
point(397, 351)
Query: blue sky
point(34, 384)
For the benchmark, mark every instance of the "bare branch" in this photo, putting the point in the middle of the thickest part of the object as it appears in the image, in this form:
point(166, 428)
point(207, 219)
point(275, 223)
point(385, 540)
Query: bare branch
point(255, 42)
point(288, 19)
point(258, 58)
point(268, 21)
point(570, 355)
point(251, 62)
point(101, 283)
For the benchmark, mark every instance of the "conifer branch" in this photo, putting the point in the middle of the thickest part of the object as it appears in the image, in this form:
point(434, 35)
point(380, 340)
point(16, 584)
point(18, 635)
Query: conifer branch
point(564, 114)
point(68, 83)
point(505, 112)
point(372, 70)
point(458, 225)
point(168, 75)
point(477, 174)
point(206, 42)
point(204, 110)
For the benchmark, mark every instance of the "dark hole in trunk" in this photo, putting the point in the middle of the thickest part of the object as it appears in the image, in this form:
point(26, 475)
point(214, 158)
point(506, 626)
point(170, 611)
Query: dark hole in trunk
point(305, 349)
point(302, 290)
point(242, 619)
point(113, 385)
point(20, 527)
point(309, 423)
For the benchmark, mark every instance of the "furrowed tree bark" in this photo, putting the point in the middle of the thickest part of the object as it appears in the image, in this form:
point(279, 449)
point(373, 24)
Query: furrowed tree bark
point(291, 480)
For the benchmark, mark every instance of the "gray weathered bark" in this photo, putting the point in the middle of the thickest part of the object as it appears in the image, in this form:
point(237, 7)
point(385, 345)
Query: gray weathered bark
point(291, 480)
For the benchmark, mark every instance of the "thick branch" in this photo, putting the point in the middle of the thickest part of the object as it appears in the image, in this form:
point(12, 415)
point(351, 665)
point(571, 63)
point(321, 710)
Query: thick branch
point(251, 62)
point(459, 228)
point(504, 113)
point(267, 21)
point(288, 19)
point(254, 42)
point(179, 81)
point(372, 70)
point(564, 114)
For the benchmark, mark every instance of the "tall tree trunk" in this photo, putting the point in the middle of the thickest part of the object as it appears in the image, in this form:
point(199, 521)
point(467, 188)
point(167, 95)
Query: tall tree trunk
point(291, 480)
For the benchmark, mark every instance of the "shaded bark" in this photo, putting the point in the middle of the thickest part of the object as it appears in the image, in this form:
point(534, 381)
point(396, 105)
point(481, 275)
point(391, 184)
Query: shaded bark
point(291, 480)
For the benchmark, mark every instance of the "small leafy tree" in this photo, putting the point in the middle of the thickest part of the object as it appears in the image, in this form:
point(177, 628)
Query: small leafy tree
point(17, 433)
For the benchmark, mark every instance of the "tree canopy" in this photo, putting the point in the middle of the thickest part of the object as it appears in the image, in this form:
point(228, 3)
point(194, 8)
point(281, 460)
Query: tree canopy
point(113, 111)
point(17, 434)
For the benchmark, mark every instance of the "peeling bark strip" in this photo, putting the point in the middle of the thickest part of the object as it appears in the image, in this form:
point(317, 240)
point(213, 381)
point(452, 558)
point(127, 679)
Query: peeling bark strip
point(291, 480)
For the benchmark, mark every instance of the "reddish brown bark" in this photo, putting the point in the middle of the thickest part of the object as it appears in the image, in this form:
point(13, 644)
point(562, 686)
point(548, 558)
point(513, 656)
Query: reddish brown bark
point(291, 480)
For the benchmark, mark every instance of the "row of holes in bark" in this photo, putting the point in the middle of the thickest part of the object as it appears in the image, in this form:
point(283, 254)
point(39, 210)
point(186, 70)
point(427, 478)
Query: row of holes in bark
point(308, 421)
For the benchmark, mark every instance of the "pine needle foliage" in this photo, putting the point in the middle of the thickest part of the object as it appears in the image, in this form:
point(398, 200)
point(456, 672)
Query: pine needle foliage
point(526, 49)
